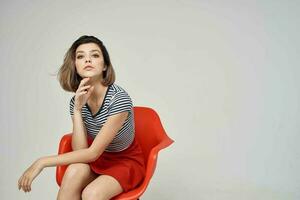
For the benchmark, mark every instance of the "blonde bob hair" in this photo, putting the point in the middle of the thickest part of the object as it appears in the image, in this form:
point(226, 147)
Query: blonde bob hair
point(67, 74)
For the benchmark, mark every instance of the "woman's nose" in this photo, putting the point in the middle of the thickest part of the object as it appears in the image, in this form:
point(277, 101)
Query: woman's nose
point(88, 59)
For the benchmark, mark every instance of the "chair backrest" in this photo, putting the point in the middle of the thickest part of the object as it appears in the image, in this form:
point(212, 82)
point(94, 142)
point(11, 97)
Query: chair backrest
point(148, 129)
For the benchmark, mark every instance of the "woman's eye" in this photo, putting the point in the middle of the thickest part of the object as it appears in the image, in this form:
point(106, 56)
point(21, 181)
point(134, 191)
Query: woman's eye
point(95, 55)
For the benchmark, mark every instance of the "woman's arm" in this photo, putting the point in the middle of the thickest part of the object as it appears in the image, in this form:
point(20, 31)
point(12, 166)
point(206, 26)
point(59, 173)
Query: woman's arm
point(107, 133)
point(102, 140)
point(77, 156)
point(79, 136)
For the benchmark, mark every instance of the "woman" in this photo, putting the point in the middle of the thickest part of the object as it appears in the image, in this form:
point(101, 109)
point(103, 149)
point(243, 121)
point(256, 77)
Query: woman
point(106, 159)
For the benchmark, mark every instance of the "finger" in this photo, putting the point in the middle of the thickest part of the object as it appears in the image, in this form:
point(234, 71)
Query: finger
point(19, 182)
point(28, 188)
point(90, 91)
point(82, 93)
point(83, 81)
point(24, 184)
point(21, 177)
point(80, 87)
point(27, 184)
point(83, 88)
point(19, 186)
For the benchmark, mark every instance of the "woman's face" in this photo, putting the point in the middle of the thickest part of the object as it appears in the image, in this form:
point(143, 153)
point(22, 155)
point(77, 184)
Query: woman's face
point(89, 60)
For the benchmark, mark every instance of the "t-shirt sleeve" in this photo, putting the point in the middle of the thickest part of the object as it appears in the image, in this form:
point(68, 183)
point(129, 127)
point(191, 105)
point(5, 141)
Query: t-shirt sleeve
point(72, 105)
point(121, 102)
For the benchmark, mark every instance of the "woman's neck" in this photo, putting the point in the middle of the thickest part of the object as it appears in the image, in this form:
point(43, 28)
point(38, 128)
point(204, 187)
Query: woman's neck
point(98, 91)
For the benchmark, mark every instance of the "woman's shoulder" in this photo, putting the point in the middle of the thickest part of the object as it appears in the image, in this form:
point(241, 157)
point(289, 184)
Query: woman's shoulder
point(119, 94)
point(120, 100)
point(116, 88)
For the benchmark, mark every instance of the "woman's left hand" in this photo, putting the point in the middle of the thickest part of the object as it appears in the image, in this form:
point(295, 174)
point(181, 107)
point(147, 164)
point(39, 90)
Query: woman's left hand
point(26, 179)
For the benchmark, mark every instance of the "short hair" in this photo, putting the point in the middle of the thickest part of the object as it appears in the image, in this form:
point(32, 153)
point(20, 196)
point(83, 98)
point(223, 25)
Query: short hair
point(67, 74)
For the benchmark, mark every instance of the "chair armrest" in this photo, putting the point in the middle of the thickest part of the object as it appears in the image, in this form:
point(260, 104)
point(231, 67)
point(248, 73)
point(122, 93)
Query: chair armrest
point(65, 146)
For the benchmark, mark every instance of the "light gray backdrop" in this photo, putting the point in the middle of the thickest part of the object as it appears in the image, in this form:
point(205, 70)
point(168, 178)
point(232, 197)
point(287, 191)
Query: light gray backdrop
point(223, 76)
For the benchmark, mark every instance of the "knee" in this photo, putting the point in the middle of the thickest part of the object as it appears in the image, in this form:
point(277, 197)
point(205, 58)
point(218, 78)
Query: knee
point(74, 173)
point(91, 193)
point(76, 170)
point(71, 184)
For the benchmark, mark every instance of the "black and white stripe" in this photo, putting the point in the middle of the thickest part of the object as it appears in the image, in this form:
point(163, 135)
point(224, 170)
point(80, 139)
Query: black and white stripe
point(116, 100)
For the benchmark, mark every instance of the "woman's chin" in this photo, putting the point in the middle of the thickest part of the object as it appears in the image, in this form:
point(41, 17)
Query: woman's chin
point(88, 75)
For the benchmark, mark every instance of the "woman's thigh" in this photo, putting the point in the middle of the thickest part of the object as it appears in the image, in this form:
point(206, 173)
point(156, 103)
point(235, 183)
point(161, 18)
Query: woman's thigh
point(77, 176)
point(103, 187)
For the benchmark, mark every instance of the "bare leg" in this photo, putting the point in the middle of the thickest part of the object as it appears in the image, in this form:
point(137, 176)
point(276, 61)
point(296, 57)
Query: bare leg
point(102, 188)
point(76, 177)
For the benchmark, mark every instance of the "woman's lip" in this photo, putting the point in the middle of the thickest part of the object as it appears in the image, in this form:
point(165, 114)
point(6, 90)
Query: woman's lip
point(88, 67)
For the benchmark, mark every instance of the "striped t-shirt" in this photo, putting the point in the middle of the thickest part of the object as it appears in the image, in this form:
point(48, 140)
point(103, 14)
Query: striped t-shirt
point(116, 100)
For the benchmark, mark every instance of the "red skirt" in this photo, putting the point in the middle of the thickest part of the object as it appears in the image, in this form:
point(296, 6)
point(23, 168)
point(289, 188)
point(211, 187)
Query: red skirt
point(127, 166)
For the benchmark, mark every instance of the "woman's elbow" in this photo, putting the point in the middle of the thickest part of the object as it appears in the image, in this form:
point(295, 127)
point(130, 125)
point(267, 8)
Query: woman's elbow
point(94, 154)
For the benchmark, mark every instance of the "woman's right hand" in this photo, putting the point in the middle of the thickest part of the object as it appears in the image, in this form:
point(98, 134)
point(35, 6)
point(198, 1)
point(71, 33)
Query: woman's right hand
point(83, 93)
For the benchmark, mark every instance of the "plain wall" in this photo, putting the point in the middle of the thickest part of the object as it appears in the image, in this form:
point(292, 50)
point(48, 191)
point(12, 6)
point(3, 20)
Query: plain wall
point(222, 75)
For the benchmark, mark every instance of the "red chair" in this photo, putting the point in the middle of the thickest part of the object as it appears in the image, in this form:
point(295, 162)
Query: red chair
point(152, 138)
